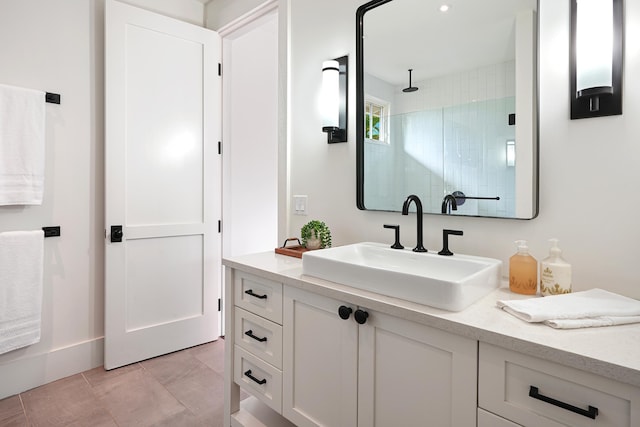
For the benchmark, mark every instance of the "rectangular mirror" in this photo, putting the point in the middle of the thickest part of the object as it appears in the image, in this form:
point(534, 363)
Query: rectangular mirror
point(447, 104)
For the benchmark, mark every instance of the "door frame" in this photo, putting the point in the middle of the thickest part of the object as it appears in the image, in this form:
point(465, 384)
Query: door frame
point(227, 33)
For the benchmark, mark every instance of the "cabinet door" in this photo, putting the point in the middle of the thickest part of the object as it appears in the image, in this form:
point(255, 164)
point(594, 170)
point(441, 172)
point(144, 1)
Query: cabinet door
point(319, 361)
point(414, 375)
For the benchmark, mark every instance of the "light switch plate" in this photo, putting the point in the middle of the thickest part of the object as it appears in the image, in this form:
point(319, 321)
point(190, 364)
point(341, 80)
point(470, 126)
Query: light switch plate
point(300, 205)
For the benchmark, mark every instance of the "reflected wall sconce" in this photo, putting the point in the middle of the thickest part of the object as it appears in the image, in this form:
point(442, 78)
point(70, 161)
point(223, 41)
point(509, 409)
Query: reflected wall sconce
point(334, 99)
point(596, 53)
point(511, 153)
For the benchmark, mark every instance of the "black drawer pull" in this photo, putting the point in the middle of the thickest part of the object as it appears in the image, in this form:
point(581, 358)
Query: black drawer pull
point(253, 294)
point(590, 413)
point(249, 333)
point(262, 381)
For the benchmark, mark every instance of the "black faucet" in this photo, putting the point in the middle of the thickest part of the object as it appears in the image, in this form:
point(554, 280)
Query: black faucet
point(397, 244)
point(405, 211)
point(445, 241)
point(449, 202)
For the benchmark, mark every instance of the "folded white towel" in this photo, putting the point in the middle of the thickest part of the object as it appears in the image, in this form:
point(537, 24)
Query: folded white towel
point(21, 264)
point(595, 307)
point(22, 124)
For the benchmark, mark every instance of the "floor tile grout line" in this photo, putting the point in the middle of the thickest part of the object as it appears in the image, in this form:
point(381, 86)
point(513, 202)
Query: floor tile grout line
point(98, 399)
point(183, 404)
point(24, 410)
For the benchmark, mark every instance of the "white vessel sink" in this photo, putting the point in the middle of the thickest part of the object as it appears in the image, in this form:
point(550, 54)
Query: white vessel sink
point(447, 282)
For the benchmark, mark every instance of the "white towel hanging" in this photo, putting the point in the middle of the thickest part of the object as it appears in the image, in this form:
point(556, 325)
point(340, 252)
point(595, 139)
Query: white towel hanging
point(22, 127)
point(21, 265)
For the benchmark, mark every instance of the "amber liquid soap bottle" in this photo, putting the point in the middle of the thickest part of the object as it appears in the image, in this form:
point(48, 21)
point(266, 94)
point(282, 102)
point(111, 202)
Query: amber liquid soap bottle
point(523, 271)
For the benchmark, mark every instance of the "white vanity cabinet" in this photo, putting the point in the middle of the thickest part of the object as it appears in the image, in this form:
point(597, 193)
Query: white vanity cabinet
point(303, 364)
point(533, 392)
point(385, 372)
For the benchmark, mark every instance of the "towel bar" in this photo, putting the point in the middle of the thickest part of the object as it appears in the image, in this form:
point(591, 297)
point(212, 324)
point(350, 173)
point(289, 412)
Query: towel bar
point(52, 98)
point(51, 231)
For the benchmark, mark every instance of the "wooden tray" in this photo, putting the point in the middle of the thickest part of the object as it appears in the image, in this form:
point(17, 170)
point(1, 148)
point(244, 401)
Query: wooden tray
point(295, 251)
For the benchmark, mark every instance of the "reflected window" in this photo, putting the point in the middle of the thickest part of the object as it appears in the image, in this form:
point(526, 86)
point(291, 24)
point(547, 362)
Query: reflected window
point(376, 120)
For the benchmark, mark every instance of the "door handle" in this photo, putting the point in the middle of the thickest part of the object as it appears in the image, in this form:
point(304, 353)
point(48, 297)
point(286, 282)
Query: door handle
point(116, 233)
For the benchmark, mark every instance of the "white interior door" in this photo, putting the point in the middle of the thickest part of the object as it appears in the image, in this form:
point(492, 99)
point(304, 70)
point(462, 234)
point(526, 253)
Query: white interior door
point(162, 174)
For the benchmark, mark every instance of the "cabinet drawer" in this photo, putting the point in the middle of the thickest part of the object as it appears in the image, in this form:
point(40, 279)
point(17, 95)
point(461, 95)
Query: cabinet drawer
point(561, 395)
point(259, 296)
point(259, 336)
point(258, 378)
point(487, 419)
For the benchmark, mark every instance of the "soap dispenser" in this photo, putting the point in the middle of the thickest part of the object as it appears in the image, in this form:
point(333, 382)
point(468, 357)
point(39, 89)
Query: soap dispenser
point(555, 272)
point(523, 271)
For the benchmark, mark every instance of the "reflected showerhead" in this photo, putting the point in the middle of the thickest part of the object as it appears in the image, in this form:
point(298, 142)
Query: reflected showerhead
point(410, 88)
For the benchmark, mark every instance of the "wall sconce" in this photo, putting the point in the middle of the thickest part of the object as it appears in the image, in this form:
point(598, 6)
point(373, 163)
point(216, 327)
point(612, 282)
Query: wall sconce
point(334, 99)
point(511, 153)
point(596, 58)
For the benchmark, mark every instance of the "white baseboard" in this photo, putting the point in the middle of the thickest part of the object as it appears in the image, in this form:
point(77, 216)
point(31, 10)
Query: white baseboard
point(30, 372)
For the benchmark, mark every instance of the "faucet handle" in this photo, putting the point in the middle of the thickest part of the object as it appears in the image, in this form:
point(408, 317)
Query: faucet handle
point(397, 244)
point(445, 241)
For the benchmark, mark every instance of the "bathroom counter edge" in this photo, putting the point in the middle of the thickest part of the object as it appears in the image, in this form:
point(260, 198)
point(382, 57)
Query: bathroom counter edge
point(612, 352)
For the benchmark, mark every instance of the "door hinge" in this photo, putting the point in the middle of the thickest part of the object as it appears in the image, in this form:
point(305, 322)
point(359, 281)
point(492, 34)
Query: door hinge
point(219, 226)
point(219, 69)
point(219, 147)
point(219, 304)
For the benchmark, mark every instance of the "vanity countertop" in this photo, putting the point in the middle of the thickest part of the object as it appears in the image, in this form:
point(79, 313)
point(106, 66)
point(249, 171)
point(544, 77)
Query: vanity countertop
point(613, 352)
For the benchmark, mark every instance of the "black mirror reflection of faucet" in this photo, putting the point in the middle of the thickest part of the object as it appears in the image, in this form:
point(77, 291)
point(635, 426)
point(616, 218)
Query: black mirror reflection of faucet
point(396, 244)
point(449, 203)
point(405, 211)
point(445, 241)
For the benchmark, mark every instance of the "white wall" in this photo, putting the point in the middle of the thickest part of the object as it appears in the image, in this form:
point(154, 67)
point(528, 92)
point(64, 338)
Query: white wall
point(588, 168)
point(250, 126)
point(58, 46)
point(221, 12)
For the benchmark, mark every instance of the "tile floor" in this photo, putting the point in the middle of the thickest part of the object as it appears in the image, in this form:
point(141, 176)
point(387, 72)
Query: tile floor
point(179, 389)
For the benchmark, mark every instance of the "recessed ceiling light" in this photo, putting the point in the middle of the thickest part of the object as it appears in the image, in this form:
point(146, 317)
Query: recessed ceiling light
point(444, 8)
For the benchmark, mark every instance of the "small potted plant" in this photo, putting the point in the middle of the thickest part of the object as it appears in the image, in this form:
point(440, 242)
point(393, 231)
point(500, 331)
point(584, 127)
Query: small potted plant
point(315, 235)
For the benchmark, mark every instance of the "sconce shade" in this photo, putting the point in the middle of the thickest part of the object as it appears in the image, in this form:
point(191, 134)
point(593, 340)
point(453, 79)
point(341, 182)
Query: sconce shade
point(330, 94)
point(334, 99)
point(596, 58)
point(511, 153)
point(594, 47)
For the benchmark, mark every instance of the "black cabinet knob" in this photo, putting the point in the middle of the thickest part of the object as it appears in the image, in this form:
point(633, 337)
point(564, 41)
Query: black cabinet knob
point(361, 316)
point(344, 312)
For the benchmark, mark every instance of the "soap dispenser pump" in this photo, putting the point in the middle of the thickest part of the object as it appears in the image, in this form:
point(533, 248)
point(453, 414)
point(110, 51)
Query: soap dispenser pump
point(523, 271)
point(555, 272)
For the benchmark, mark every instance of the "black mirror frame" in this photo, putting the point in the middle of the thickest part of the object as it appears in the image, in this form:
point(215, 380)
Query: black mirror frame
point(360, 12)
point(360, 96)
